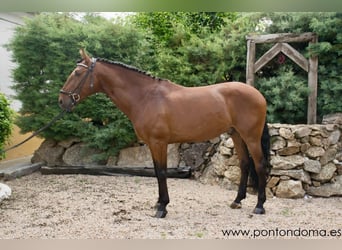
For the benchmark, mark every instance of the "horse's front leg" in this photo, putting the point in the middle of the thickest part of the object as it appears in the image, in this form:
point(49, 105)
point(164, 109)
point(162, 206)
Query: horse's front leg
point(159, 156)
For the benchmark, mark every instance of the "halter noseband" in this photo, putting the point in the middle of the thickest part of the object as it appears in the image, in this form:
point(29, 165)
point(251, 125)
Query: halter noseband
point(75, 94)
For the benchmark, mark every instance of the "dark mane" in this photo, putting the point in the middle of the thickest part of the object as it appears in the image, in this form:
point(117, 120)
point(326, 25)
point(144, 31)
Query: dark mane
point(132, 68)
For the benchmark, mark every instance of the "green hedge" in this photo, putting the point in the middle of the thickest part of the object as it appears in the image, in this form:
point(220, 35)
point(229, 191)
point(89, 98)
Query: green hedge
point(6, 123)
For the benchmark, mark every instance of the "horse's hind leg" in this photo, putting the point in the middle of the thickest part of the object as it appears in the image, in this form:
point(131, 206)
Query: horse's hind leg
point(256, 152)
point(242, 152)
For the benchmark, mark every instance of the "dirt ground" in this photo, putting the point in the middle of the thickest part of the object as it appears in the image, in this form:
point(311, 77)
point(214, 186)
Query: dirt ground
point(115, 207)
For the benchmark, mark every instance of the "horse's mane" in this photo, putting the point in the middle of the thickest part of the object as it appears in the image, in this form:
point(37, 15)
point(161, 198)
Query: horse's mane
point(129, 67)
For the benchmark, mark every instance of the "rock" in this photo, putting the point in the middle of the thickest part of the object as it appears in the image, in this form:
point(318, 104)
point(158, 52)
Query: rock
point(339, 155)
point(229, 143)
point(215, 140)
point(208, 176)
point(315, 141)
point(233, 161)
point(302, 132)
point(334, 137)
point(304, 147)
point(5, 192)
point(112, 160)
point(49, 152)
point(225, 151)
point(193, 156)
point(141, 156)
point(329, 189)
point(290, 189)
point(326, 173)
point(332, 119)
point(273, 131)
point(286, 133)
point(293, 143)
point(219, 163)
point(269, 193)
point(312, 166)
point(278, 142)
point(314, 152)
point(288, 162)
point(298, 174)
point(69, 142)
point(229, 185)
point(135, 156)
point(289, 150)
point(305, 139)
point(316, 183)
point(79, 154)
point(328, 156)
point(273, 182)
point(331, 127)
point(184, 146)
point(233, 174)
point(339, 168)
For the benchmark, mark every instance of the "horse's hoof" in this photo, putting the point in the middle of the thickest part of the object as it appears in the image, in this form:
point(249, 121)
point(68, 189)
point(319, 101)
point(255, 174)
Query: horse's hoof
point(235, 205)
point(156, 206)
point(161, 214)
point(259, 210)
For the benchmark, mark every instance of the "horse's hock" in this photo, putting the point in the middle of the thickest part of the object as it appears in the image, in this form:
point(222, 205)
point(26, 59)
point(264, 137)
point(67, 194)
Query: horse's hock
point(306, 159)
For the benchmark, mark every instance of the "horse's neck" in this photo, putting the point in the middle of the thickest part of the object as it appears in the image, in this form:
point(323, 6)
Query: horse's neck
point(126, 89)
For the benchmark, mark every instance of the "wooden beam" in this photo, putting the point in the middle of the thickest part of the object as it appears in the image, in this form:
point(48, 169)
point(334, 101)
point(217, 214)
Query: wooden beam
point(250, 63)
point(282, 37)
point(103, 170)
point(295, 56)
point(268, 56)
point(312, 83)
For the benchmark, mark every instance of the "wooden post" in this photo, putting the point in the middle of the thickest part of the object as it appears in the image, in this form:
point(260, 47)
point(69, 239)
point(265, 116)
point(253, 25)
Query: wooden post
point(312, 83)
point(282, 40)
point(250, 62)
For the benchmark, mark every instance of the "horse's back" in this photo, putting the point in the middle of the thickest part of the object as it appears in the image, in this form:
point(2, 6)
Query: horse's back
point(181, 114)
point(211, 110)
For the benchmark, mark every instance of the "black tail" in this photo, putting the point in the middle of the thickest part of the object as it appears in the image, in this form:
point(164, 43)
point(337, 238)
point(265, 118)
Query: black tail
point(266, 147)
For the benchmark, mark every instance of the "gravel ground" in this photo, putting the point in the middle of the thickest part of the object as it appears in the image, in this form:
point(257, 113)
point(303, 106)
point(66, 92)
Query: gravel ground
point(115, 207)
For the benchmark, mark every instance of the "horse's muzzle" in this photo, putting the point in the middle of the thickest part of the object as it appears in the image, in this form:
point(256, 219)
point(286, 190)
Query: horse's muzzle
point(68, 100)
point(65, 103)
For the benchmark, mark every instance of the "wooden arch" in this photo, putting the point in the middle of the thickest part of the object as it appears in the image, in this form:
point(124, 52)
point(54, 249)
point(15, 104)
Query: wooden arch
point(281, 45)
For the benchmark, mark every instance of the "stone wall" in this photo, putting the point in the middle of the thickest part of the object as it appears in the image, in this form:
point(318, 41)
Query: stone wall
point(306, 159)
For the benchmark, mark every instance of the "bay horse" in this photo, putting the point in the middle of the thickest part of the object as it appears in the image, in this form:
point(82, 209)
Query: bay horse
point(163, 112)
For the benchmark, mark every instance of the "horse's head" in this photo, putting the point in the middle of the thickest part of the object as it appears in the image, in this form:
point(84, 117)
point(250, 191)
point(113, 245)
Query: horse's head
point(79, 84)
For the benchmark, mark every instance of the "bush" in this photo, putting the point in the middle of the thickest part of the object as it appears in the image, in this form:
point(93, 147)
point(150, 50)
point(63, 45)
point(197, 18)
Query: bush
point(46, 50)
point(286, 96)
point(6, 123)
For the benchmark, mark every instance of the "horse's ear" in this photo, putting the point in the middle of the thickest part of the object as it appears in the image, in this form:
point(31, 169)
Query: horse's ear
point(84, 55)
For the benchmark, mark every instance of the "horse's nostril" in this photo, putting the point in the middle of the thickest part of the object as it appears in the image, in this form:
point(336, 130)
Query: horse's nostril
point(60, 101)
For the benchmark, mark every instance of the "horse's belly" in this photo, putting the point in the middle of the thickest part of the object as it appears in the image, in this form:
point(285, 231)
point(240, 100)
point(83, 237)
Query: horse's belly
point(196, 128)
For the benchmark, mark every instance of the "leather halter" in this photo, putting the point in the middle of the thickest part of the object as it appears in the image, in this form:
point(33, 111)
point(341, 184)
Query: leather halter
point(75, 94)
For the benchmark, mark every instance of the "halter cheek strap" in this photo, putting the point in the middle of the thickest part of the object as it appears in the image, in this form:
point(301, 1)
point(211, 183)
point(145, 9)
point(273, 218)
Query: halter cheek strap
point(75, 94)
